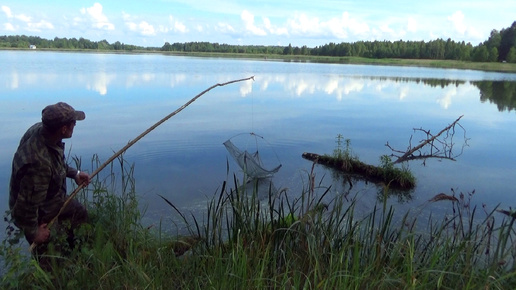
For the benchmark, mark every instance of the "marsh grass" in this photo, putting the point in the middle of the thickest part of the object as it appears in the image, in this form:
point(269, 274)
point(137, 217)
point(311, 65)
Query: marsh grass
point(317, 240)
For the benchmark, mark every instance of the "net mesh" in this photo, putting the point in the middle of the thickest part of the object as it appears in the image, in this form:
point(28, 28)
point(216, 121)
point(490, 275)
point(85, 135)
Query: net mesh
point(250, 163)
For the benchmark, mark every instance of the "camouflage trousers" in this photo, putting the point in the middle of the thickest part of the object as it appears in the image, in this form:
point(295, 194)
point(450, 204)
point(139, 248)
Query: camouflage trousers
point(73, 215)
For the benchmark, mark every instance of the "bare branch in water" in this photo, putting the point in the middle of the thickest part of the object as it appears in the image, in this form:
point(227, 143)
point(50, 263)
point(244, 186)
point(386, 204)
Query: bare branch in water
point(438, 146)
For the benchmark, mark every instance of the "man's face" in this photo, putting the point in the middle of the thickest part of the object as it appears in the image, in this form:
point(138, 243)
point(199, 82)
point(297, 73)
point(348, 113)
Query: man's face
point(68, 130)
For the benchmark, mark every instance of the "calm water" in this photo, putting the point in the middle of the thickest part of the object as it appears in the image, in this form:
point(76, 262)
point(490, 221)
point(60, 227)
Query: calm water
point(296, 107)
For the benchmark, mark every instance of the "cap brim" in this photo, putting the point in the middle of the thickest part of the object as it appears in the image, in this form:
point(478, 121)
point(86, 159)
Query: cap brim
point(79, 115)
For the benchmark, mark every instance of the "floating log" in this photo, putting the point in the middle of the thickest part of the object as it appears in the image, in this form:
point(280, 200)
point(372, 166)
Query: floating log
point(389, 177)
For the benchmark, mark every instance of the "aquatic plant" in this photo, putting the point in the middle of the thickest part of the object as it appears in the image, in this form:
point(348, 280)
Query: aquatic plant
point(344, 160)
point(312, 239)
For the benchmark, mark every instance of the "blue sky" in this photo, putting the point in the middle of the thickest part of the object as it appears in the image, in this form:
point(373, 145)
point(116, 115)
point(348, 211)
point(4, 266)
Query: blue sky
point(310, 23)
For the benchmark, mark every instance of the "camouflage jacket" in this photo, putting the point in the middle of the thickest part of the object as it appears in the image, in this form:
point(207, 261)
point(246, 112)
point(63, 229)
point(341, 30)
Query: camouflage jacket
point(38, 180)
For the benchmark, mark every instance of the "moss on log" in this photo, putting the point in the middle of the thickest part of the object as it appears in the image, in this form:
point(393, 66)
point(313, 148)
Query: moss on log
point(393, 177)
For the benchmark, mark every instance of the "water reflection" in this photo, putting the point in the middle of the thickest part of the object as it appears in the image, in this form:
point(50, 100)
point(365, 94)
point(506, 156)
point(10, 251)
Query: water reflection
point(298, 107)
point(347, 185)
point(501, 93)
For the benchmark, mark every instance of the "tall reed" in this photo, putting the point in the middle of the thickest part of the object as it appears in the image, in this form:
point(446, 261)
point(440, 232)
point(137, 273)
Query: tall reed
point(316, 239)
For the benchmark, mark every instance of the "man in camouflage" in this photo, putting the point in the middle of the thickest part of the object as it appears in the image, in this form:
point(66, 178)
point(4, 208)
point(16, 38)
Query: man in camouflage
point(39, 171)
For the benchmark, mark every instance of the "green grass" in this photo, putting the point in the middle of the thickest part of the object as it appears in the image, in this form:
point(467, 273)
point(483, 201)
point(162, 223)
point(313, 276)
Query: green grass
point(315, 240)
point(343, 160)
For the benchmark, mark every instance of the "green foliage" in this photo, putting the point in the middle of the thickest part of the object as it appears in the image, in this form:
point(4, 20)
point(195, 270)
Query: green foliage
point(345, 160)
point(314, 240)
point(481, 54)
point(343, 152)
point(511, 56)
point(501, 93)
point(23, 41)
point(496, 48)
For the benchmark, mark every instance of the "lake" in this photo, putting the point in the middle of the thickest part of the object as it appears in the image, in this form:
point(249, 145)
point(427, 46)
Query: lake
point(296, 107)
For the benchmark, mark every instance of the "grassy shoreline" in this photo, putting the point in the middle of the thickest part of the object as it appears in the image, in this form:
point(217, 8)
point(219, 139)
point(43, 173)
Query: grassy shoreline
point(315, 241)
point(447, 64)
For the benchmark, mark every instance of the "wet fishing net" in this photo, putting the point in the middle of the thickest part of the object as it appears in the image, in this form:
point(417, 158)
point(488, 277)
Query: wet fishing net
point(250, 163)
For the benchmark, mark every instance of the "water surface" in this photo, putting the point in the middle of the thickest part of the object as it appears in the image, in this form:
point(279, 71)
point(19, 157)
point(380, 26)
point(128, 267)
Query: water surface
point(296, 107)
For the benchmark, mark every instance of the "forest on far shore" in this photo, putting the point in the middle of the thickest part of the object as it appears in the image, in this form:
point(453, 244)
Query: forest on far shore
point(499, 47)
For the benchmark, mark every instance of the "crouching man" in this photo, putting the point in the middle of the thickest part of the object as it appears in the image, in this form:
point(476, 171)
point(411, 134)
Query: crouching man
point(38, 178)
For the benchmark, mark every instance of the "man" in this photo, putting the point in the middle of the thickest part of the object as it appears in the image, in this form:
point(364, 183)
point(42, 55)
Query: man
point(39, 171)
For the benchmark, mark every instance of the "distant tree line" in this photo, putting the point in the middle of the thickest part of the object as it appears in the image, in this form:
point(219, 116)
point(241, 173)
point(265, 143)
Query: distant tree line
point(499, 47)
point(22, 41)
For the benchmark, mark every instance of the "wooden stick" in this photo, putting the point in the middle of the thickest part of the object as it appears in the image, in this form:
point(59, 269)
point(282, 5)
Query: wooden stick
point(422, 144)
point(131, 143)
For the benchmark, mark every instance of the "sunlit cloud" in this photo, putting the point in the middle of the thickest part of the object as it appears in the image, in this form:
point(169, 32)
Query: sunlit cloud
point(457, 20)
point(23, 17)
point(9, 27)
point(272, 29)
point(339, 27)
point(249, 25)
point(178, 26)
point(140, 27)
point(38, 26)
point(224, 28)
point(412, 25)
point(97, 17)
point(7, 11)
point(31, 25)
point(302, 24)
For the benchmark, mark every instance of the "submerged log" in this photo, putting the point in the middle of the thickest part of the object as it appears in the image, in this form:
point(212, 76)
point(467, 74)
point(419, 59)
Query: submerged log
point(392, 178)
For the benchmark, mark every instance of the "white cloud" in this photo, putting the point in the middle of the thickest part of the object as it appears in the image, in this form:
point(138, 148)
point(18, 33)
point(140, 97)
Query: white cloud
point(37, 26)
point(98, 19)
point(142, 27)
point(412, 24)
point(248, 20)
point(146, 29)
point(272, 29)
point(8, 27)
point(354, 25)
point(23, 17)
point(457, 19)
point(180, 27)
point(339, 27)
point(175, 26)
point(224, 28)
point(7, 11)
point(9, 14)
point(301, 24)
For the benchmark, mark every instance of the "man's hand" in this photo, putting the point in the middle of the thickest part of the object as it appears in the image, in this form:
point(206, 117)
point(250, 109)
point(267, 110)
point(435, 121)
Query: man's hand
point(42, 234)
point(82, 177)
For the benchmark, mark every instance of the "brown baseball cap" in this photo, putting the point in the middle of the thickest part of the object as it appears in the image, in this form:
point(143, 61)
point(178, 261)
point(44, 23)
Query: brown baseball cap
point(60, 114)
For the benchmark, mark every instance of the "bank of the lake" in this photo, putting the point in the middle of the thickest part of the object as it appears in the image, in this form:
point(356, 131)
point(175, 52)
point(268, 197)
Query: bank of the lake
point(431, 63)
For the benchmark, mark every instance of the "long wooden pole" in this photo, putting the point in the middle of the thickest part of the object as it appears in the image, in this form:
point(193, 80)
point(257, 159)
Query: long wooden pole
point(131, 143)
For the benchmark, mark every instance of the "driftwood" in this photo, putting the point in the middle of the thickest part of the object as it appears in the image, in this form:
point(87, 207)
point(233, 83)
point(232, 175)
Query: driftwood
point(440, 147)
point(377, 175)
